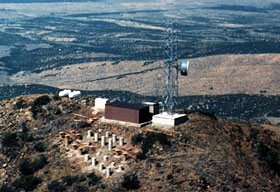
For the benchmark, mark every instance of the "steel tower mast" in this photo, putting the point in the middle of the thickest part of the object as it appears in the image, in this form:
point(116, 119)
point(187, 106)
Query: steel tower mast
point(170, 67)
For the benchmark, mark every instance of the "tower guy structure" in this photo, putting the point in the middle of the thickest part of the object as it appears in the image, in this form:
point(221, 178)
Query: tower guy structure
point(170, 67)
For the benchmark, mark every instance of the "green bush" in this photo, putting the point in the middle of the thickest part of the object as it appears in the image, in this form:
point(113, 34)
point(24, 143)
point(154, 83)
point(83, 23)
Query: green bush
point(9, 139)
point(26, 136)
point(55, 186)
point(92, 179)
point(136, 139)
point(262, 150)
point(147, 142)
point(141, 156)
point(10, 152)
point(36, 106)
point(56, 98)
point(21, 104)
point(42, 100)
point(70, 180)
point(80, 188)
point(39, 162)
point(170, 176)
point(271, 157)
point(82, 178)
point(26, 167)
point(5, 188)
point(28, 183)
point(40, 147)
point(130, 182)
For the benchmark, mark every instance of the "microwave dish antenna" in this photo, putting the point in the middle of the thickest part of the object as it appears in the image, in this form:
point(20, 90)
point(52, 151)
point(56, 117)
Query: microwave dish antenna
point(184, 67)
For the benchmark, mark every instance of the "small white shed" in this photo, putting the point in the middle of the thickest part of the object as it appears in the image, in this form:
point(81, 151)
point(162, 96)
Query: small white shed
point(100, 103)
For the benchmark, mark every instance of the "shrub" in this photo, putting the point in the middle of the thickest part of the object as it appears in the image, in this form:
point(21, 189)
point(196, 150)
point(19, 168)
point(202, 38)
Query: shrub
point(136, 139)
point(262, 150)
point(9, 139)
point(55, 186)
point(80, 188)
point(5, 188)
point(20, 104)
point(56, 98)
point(43, 100)
point(25, 167)
point(10, 152)
point(69, 180)
point(130, 182)
point(40, 147)
point(82, 178)
point(37, 104)
point(92, 179)
point(269, 156)
point(160, 137)
point(141, 156)
point(25, 135)
point(82, 124)
point(148, 141)
point(170, 176)
point(28, 183)
point(39, 162)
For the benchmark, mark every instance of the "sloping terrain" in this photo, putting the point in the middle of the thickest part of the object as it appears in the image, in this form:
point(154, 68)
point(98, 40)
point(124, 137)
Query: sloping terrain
point(203, 154)
point(213, 75)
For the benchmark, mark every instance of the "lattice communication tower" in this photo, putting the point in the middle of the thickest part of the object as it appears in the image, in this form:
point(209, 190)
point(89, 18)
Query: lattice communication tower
point(170, 68)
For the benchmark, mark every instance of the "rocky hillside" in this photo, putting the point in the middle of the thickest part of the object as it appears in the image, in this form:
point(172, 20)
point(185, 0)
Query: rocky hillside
point(203, 154)
point(252, 108)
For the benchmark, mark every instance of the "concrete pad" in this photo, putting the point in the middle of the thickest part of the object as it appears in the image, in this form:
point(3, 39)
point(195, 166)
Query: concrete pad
point(169, 120)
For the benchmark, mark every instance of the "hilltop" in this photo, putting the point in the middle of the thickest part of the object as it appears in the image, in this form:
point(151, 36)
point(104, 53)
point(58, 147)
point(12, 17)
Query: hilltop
point(203, 154)
point(251, 108)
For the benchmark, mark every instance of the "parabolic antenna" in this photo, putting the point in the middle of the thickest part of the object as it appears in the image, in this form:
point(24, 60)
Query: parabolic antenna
point(184, 67)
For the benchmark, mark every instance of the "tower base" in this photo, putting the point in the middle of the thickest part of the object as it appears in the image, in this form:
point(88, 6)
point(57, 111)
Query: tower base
point(169, 120)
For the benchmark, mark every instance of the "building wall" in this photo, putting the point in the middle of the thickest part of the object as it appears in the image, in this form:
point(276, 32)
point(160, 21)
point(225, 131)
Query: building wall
point(127, 115)
point(122, 114)
point(145, 115)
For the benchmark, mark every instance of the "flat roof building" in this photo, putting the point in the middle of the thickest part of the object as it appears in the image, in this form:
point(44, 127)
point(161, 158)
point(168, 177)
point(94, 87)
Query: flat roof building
point(127, 112)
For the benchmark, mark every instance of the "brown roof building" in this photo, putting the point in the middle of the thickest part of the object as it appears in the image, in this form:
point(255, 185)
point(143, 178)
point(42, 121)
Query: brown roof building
point(133, 113)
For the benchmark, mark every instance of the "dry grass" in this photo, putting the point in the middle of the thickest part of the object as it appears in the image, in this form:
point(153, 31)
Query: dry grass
point(222, 74)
